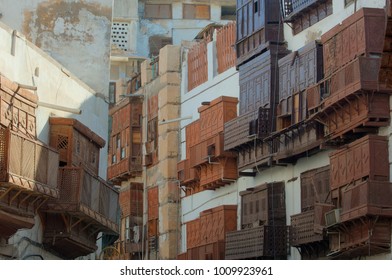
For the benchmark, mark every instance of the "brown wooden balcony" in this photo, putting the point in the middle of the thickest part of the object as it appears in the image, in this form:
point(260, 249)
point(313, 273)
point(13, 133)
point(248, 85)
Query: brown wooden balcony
point(238, 131)
point(187, 175)
point(124, 157)
point(288, 144)
point(365, 237)
point(369, 198)
point(364, 158)
point(125, 168)
point(308, 227)
point(215, 166)
point(363, 112)
point(264, 204)
point(361, 34)
point(259, 242)
point(360, 74)
point(88, 197)
point(28, 177)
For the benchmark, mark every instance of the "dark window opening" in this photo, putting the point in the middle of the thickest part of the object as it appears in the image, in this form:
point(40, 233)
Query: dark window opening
point(228, 13)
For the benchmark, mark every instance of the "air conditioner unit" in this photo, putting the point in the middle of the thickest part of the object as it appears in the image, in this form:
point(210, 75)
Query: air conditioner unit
point(332, 218)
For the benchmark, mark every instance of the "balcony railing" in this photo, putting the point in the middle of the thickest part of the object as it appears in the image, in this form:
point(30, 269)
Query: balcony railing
point(84, 194)
point(27, 164)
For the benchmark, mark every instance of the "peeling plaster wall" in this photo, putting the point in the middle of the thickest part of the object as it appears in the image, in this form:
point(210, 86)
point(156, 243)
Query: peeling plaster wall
point(75, 33)
point(24, 63)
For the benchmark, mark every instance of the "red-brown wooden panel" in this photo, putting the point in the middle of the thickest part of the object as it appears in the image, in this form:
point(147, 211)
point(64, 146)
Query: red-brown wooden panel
point(372, 198)
point(192, 132)
point(193, 235)
point(364, 110)
point(364, 158)
point(360, 34)
point(153, 203)
point(314, 187)
point(215, 115)
point(197, 65)
point(224, 47)
point(369, 237)
point(216, 222)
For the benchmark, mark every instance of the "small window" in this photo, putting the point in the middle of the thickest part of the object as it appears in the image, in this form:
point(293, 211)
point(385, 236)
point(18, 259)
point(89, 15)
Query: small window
point(191, 11)
point(114, 159)
point(112, 92)
point(127, 229)
point(348, 2)
point(161, 11)
point(123, 153)
point(228, 13)
point(118, 141)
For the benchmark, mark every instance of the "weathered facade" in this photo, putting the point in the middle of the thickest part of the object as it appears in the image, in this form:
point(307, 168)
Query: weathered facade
point(74, 33)
point(54, 203)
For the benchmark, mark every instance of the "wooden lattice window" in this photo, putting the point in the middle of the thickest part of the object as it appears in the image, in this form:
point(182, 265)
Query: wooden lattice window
point(191, 11)
point(162, 11)
point(152, 132)
point(228, 12)
point(62, 142)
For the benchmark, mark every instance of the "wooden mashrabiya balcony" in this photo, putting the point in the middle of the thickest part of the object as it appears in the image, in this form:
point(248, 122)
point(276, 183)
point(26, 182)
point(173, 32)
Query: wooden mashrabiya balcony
point(28, 178)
